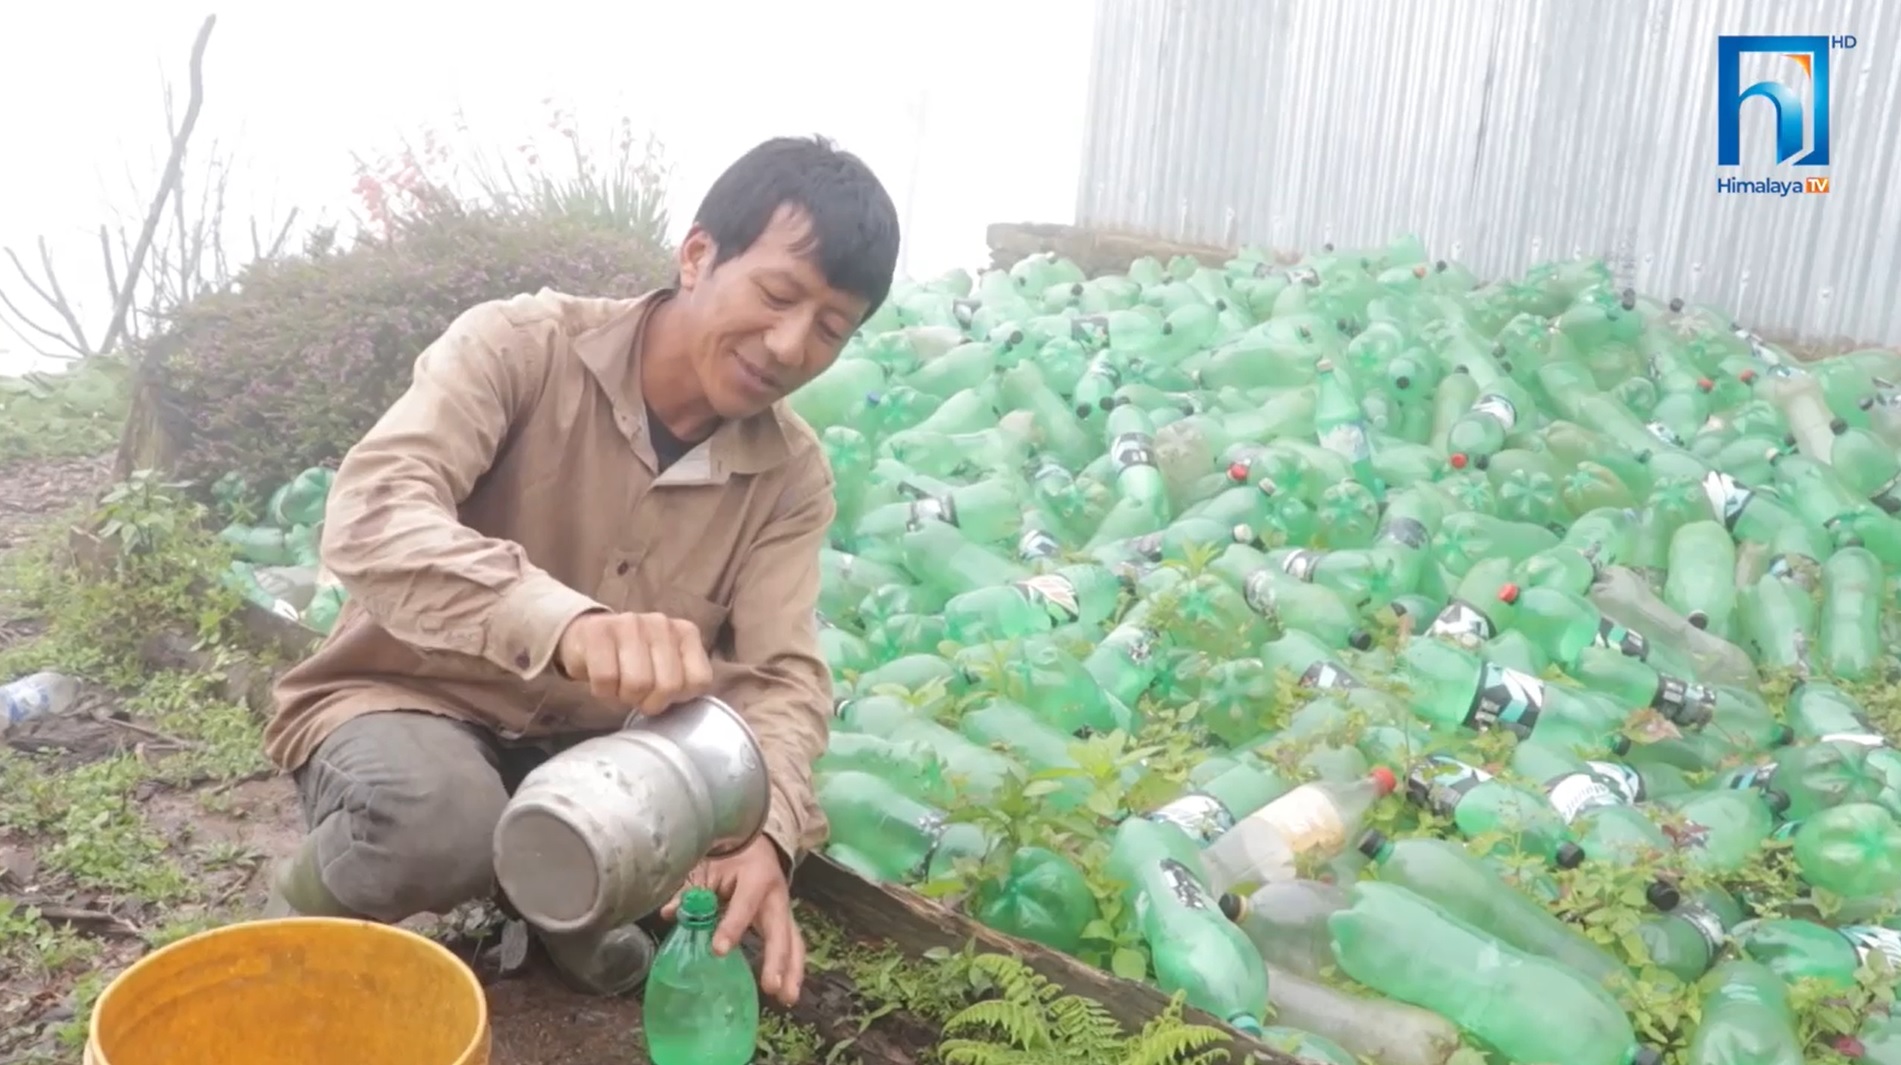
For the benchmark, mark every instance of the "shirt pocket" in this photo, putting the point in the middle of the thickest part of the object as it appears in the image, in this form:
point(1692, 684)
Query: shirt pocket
point(655, 593)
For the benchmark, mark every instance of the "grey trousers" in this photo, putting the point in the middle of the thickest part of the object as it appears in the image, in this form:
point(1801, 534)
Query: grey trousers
point(401, 809)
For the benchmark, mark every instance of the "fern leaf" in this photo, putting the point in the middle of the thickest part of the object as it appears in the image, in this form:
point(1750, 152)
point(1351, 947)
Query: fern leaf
point(1086, 1029)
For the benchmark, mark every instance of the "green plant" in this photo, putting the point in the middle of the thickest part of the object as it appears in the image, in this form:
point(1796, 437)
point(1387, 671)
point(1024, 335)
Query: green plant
point(1031, 1022)
point(76, 412)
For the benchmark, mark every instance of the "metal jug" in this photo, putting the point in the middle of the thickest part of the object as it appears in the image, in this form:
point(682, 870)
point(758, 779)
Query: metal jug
point(608, 830)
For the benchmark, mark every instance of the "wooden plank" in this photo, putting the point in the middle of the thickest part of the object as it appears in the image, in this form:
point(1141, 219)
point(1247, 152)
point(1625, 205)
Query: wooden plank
point(916, 924)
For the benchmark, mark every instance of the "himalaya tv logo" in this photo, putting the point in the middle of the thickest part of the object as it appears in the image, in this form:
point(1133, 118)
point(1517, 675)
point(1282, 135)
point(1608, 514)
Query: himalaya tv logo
point(1796, 127)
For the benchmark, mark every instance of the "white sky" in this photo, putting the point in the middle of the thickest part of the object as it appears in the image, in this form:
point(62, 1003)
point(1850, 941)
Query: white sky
point(295, 89)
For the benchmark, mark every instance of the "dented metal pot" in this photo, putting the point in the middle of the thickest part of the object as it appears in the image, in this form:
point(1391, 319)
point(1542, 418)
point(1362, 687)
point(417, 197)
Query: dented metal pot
point(606, 831)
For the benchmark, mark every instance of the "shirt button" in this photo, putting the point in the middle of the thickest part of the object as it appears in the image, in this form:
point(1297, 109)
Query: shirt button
point(621, 569)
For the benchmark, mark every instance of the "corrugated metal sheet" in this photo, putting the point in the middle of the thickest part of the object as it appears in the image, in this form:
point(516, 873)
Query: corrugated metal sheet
point(1503, 133)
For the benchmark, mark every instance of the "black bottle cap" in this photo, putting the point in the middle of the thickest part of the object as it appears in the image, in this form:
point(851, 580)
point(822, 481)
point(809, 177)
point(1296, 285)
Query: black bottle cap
point(1481, 462)
point(1620, 745)
point(1778, 801)
point(1698, 619)
point(1402, 382)
point(1866, 403)
point(1305, 333)
point(1328, 246)
point(1107, 403)
point(1220, 305)
point(1016, 336)
point(1371, 842)
point(1662, 896)
point(1076, 289)
point(1837, 426)
point(1233, 906)
point(1676, 304)
point(1168, 328)
point(1788, 439)
point(1439, 267)
point(1569, 856)
point(1083, 410)
point(1361, 640)
point(1783, 736)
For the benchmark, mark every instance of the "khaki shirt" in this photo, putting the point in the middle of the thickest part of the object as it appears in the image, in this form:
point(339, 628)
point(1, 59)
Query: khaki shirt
point(512, 489)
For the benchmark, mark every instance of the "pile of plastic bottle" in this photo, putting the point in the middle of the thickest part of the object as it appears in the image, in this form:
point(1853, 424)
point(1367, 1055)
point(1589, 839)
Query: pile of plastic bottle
point(1539, 576)
point(278, 565)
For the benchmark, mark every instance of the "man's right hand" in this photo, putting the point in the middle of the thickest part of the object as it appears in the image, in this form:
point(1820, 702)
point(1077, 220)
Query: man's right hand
point(644, 661)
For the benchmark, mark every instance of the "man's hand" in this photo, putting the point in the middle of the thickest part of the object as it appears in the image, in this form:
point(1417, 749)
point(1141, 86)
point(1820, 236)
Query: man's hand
point(644, 661)
point(752, 886)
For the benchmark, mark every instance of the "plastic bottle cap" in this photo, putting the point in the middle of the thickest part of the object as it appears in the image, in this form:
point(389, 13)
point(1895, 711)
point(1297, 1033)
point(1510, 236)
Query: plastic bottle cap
point(1838, 426)
point(1168, 328)
point(1784, 735)
point(1360, 640)
point(1383, 779)
point(1458, 460)
point(1419, 271)
point(1439, 266)
point(1663, 896)
point(1866, 403)
point(1016, 335)
point(1697, 619)
point(1237, 471)
point(1705, 384)
point(1233, 906)
point(699, 904)
point(1508, 594)
point(1402, 382)
point(1083, 409)
point(1372, 842)
point(1568, 856)
point(1107, 403)
point(1676, 304)
point(1620, 745)
point(1778, 801)
point(1747, 376)
point(1481, 462)
point(872, 399)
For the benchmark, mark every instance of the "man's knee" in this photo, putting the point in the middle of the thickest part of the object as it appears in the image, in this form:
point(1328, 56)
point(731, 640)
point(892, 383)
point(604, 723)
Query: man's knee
point(402, 810)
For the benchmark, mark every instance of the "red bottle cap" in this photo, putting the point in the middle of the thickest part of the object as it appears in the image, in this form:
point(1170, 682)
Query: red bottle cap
point(1508, 594)
point(1747, 376)
point(1383, 779)
point(1705, 384)
point(1458, 460)
point(1237, 472)
point(1419, 271)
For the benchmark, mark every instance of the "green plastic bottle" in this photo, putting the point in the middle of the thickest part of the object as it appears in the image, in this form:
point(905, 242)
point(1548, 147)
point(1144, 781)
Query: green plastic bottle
point(1479, 804)
point(700, 1008)
point(1528, 1008)
point(1746, 1019)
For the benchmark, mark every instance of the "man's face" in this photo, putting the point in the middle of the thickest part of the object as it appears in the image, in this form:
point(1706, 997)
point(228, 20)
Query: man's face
point(765, 321)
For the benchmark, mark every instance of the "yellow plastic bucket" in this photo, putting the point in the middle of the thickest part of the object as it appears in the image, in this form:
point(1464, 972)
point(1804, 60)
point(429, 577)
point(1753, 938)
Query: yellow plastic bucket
point(298, 991)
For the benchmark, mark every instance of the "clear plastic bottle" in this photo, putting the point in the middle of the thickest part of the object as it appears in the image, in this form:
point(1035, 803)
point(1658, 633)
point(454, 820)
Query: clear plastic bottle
point(1317, 820)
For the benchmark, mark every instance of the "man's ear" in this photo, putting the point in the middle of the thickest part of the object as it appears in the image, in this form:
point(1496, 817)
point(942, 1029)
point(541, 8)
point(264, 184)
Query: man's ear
point(696, 256)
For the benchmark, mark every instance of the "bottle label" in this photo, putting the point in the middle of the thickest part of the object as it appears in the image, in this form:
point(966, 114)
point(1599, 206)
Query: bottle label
point(1132, 449)
point(1328, 676)
point(1680, 702)
point(1620, 639)
point(1888, 496)
point(1865, 739)
point(1348, 440)
point(1054, 593)
point(1626, 782)
point(1727, 498)
point(1506, 698)
point(1786, 830)
point(1463, 624)
point(1664, 433)
point(1575, 793)
point(1306, 820)
point(1409, 533)
point(1147, 546)
point(930, 508)
point(1761, 776)
point(1869, 940)
point(1187, 887)
point(1438, 783)
point(1301, 563)
point(1708, 926)
point(1036, 545)
point(1259, 592)
point(1203, 817)
point(1499, 409)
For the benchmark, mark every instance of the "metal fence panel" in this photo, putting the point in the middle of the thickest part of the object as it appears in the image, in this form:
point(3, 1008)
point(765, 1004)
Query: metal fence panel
point(1503, 133)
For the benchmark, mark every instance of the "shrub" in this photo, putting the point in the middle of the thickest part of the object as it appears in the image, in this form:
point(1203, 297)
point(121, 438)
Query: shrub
point(289, 366)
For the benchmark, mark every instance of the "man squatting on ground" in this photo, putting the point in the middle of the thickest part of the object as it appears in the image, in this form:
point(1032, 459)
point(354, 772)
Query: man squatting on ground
point(582, 506)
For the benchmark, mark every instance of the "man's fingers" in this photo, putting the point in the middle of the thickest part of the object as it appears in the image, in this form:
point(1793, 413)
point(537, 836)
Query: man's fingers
point(782, 962)
point(636, 663)
point(656, 631)
point(603, 663)
point(742, 909)
point(696, 675)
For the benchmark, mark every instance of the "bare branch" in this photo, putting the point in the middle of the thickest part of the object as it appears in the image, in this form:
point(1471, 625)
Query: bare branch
point(174, 173)
point(19, 317)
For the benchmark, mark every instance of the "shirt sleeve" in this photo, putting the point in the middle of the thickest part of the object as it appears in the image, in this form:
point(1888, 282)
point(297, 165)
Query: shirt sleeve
point(777, 678)
point(392, 532)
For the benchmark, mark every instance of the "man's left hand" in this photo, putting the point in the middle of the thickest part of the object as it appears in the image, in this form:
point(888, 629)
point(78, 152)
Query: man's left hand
point(752, 886)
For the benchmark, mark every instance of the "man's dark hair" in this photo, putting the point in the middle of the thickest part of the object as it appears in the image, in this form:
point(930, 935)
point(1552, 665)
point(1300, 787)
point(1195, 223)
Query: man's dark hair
point(854, 236)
